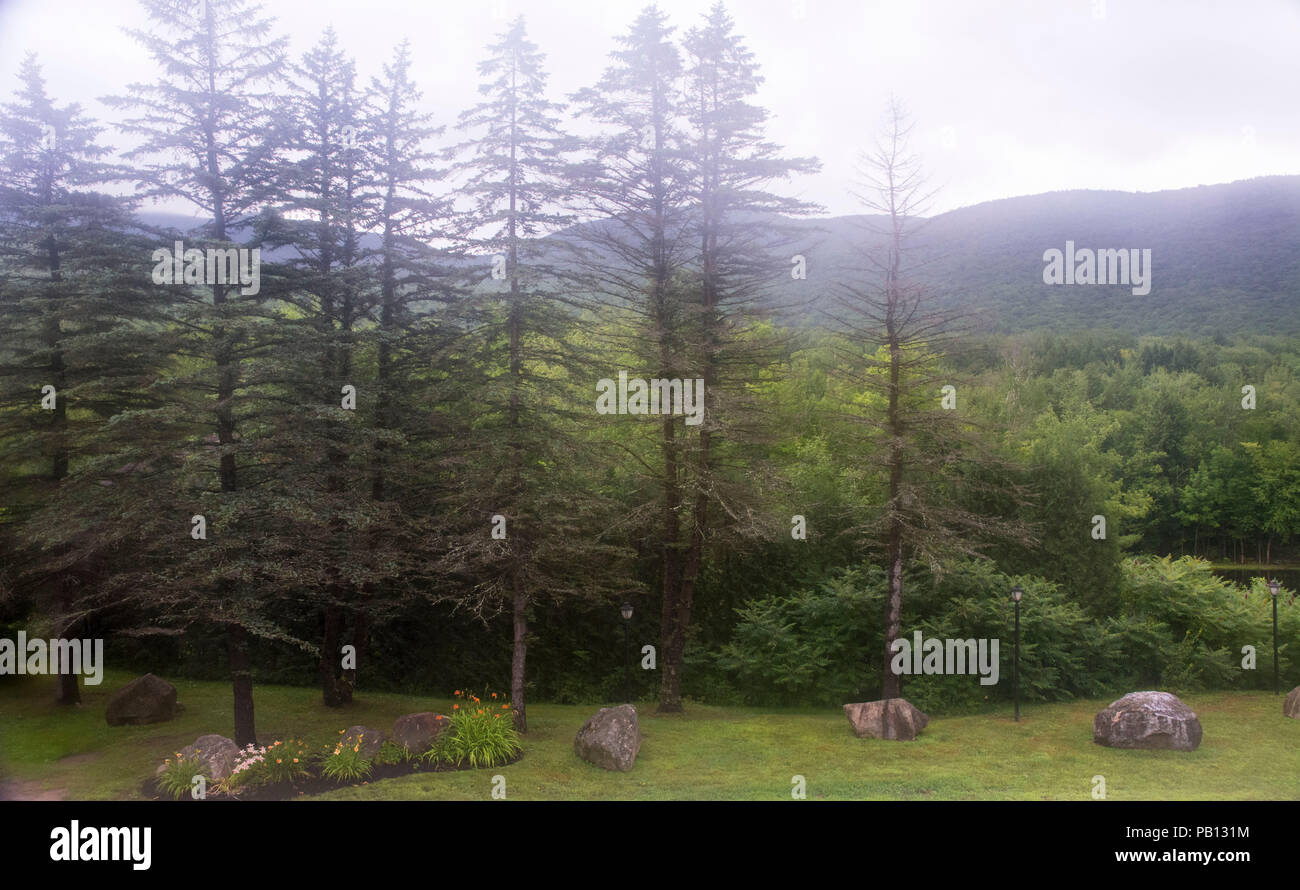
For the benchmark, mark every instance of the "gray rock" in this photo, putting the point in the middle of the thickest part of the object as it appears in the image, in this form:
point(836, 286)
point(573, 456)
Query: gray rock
point(1291, 707)
point(217, 753)
point(417, 732)
point(1149, 720)
point(889, 718)
point(611, 739)
point(146, 699)
point(371, 740)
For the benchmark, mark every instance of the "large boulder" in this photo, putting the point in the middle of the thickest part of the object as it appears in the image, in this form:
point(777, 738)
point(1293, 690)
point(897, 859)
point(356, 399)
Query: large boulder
point(217, 753)
point(1291, 707)
point(417, 731)
point(368, 739)
point(610, 739)
point(146, 699)
point(1151, 720)
point(889, 718)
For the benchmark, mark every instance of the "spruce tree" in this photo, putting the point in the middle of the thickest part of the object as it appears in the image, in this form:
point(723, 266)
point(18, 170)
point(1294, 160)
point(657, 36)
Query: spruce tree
point(520, 458)
point(203, 127)
point(320, 195)
point(740, 230)
point(416, 331)
point(686, 257)
point(635, 181)
point(77, 318)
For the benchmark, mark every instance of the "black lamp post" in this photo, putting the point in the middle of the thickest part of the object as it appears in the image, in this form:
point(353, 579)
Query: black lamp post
point(1016, 593)
point(1273, 588)
point(626, 612)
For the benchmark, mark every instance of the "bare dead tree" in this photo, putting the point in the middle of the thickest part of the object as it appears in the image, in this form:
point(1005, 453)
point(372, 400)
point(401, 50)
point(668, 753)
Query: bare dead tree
point(930, 460)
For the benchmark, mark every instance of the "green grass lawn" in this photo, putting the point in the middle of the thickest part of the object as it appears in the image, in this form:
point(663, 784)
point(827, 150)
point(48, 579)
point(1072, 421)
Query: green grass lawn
point(1250, 751)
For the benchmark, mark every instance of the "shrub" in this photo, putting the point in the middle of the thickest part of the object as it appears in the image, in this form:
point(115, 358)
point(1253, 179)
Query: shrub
point(481, 735)
point(825, 646)
point(1202, 622)
point(1177, 627)
point(815, 646)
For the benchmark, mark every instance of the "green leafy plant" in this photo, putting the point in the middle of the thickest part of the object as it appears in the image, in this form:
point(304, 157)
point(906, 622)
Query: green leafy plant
point(178, 774)
point(481, 734)
point(286, 761)
point(346, 763)
point(391, 753)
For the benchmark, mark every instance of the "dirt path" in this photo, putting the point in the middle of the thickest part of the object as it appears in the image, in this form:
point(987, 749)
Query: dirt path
point(18, 790)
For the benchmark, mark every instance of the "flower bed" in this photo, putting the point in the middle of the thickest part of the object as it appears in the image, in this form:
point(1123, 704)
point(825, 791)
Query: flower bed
point(477, 738)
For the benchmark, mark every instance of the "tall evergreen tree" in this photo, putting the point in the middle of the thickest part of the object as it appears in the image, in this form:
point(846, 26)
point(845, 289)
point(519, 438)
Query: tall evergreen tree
point(416, 333)
point(523, 442)
point(740, 231)
point(635, 181)
point(321, 193)
point(203, 127)
point(76, 317)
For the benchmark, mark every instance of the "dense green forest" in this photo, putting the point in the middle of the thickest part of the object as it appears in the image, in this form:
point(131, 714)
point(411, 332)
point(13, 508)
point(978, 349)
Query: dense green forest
point(393, 442)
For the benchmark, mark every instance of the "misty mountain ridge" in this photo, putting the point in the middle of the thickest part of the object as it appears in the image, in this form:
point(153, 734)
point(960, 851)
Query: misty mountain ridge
point(1224, 258)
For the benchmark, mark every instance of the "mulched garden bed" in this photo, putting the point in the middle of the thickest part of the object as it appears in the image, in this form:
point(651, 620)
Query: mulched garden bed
point(313, 785)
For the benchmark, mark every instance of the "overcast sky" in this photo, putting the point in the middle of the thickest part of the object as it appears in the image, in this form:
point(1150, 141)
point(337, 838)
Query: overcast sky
point(1009, 98)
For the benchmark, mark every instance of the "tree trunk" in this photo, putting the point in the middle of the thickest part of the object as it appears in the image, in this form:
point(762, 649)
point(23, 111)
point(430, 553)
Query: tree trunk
point(242, 677)
point(333, 691)
point(517, 659)
point(891, 687)
point(672, 633)
point(69, 690)
point(360, 642)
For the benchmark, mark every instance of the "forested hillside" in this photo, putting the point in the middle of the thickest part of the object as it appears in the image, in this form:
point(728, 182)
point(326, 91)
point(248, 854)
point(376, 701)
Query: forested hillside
point(1226, 259)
